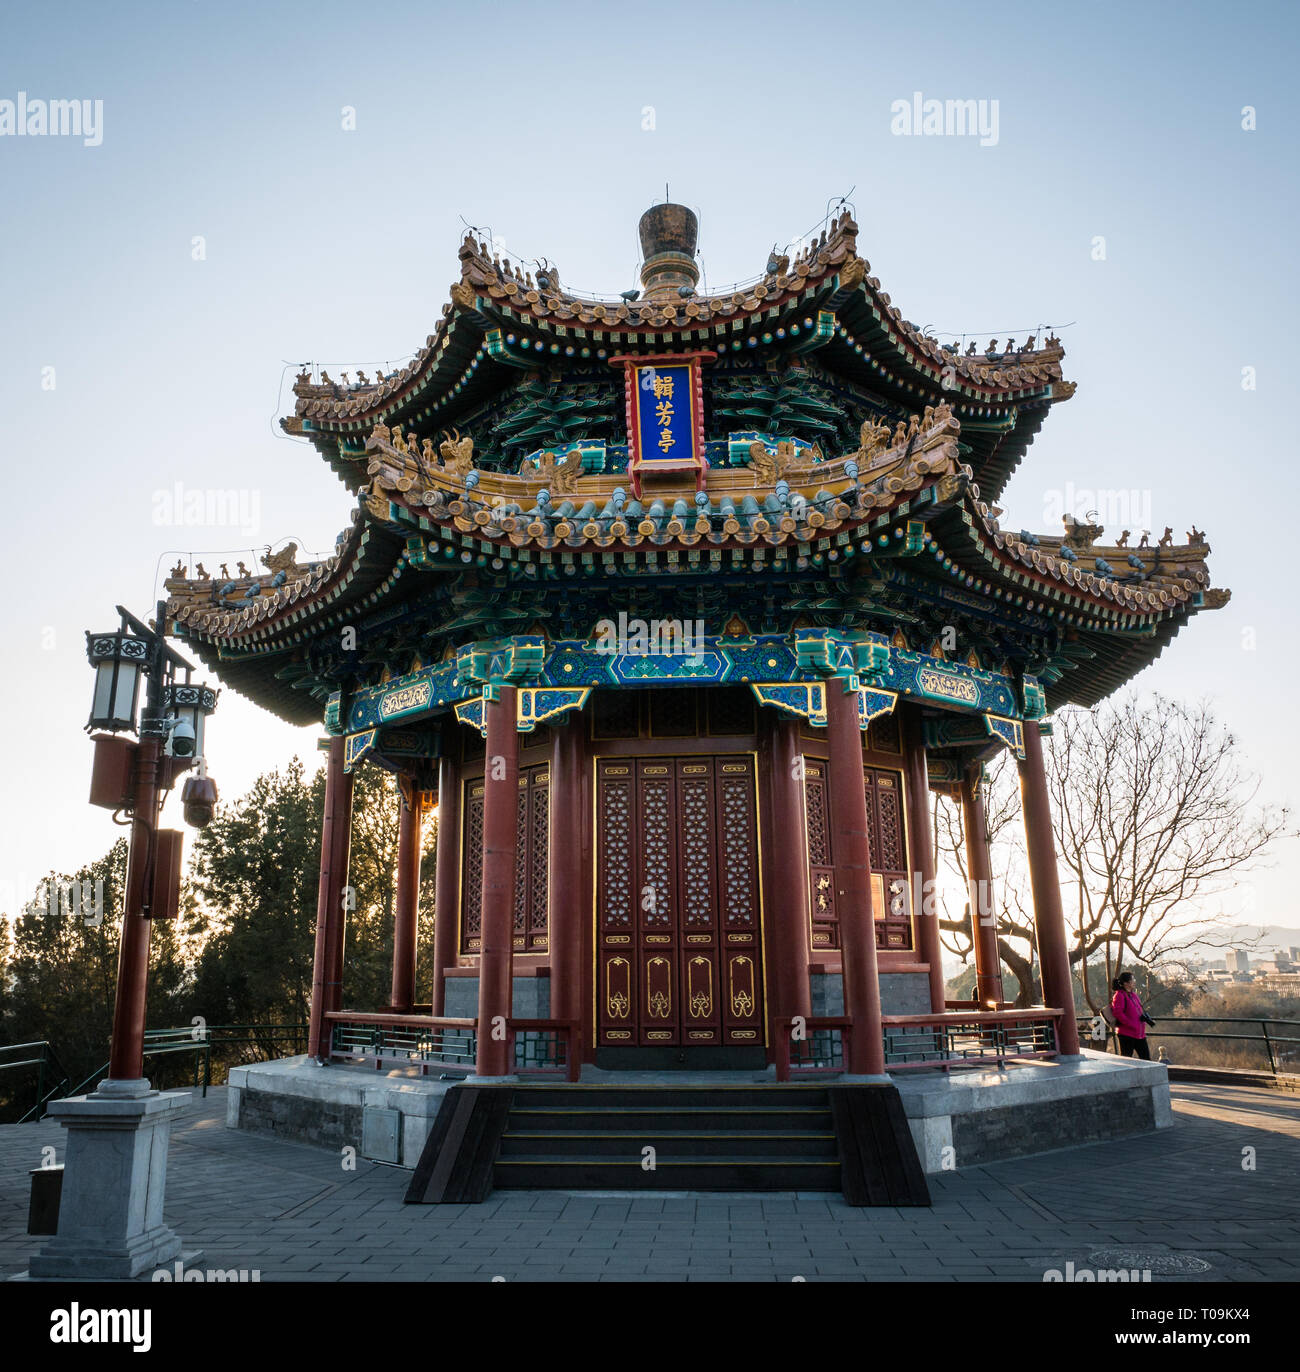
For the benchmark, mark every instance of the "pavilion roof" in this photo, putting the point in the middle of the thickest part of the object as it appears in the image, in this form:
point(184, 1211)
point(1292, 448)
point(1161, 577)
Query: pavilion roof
point(786, 510)
point(499, 319)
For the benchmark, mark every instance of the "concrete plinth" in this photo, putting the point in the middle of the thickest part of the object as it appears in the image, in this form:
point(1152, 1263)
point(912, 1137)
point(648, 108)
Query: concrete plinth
point(384, 1115)
point(961, 1118)
point(964, 1118)
point(114, 1180)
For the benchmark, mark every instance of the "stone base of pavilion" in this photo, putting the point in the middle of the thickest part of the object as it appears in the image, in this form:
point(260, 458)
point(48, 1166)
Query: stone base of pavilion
point(960, 1118)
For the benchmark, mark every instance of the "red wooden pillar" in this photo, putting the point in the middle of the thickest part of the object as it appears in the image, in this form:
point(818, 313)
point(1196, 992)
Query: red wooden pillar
point(500, 841)
point(848, 816)
point(1049, 917)
point(979, 871)
point(921, 879)
point(126, 1050)
point(407, 903)
point(446, 887)
point(569, 986)
point(787, 901)
point(335, 845)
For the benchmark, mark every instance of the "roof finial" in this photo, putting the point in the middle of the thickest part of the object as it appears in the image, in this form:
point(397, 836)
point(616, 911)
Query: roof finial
point(668, 235)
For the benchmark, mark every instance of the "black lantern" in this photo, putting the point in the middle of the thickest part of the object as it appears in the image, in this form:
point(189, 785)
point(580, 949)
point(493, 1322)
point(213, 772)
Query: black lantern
point(190, 705)
point(118, 658)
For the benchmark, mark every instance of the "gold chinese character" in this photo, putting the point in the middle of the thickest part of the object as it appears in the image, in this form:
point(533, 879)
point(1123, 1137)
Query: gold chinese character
point(663, 385)
point(666, 439)
point(664, 412)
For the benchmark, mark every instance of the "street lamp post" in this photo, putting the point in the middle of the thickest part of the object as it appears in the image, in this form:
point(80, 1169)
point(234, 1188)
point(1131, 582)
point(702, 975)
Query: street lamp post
point(115, 1171)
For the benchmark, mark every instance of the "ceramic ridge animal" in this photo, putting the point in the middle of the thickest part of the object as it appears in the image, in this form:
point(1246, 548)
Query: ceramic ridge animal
point(457, 453)
point(285, 560)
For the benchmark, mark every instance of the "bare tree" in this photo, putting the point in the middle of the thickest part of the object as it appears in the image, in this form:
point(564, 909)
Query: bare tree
point(1155, 814)
point(1005, 837)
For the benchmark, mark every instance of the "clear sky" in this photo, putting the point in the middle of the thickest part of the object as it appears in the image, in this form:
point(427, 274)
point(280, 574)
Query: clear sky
point(228, 226)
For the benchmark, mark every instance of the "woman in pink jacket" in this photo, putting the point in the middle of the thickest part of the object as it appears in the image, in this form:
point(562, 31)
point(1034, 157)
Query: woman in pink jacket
point(1130, 1018)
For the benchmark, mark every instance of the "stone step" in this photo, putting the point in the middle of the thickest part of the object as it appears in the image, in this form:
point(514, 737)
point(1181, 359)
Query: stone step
point(667, 1143)
point(779, 1173)
point(593, 1118)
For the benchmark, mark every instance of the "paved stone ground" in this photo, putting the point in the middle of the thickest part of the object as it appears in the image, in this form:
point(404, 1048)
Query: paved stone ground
point(292, 1212)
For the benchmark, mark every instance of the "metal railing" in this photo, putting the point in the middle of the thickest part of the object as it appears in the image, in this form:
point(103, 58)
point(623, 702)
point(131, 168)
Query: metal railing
point(535, 1047)
point(963, 1038)
point(1282, 1050)
point(198, 1041)
point(422, 1041)
point(812, 1046)
point(51, 1079)
point(545, 1047)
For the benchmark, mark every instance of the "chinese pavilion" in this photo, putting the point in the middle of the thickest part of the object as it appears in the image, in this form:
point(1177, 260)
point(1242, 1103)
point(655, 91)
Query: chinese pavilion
point(680, 605)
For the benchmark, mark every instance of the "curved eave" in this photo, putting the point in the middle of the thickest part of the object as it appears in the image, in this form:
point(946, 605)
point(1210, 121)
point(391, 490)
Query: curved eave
point(1116, 662)
point(1001, 404)
point(1110, 629)
point(260, 651)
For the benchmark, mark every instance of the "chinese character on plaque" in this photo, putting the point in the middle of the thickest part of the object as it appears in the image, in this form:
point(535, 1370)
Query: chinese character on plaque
point(665, 417)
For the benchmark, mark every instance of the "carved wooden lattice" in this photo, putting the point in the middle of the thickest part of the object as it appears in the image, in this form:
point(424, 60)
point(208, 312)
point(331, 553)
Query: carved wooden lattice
point(731, 710)
point(696, 820)
point(657, 877)
point(538, 859)
point(888, 859)
point(672, 714)
point(521, 865)
point(678, 925)
point(532, 842)
point(614, 714)
point(471, 870)
point(739, 902)
point(884, 735)
point(886, 843)
point(616, 877)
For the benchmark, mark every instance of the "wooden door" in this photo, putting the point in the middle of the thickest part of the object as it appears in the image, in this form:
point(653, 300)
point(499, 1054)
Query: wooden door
point(679, 952)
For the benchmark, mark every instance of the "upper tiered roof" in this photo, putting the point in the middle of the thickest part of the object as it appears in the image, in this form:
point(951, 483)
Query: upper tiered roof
point(501, 319)
point(852, 468)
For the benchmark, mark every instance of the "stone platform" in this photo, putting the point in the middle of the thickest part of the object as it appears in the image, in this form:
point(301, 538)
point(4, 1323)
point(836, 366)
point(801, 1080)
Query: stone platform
point(962, 1118)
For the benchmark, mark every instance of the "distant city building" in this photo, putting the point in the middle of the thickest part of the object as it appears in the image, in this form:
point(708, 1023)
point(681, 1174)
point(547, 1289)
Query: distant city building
point(1282, 983)
point(1237, 960)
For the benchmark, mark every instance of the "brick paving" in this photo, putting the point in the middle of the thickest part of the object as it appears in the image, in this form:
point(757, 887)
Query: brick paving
point(293, 1213)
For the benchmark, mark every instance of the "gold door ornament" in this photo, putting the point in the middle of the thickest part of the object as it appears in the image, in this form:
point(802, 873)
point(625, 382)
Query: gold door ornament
point(699, 987)
point(618, 988)
point(658, 988)
point(742, 987)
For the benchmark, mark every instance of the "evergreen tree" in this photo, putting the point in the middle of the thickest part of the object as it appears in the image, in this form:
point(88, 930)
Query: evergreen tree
point(61, 973)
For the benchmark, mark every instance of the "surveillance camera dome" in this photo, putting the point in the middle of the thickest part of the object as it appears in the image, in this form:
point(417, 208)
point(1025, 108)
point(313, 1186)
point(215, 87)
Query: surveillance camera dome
point(182, 739)
point(199, 801)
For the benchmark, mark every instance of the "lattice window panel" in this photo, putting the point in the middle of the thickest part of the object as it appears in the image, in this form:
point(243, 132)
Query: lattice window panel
point(471, 924)
point(672, 713)
point(615, 714)
point(736, 830)
point(617, 894)
point(887, 845)
point(731, 710)
point(695, 833)
point(539, 847)
point(532, 845)
point(521, 865)
point(883, 735)
point(658, 878)
point(888, 858)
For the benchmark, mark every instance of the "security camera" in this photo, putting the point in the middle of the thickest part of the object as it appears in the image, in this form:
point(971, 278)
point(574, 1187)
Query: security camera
point(199, 799)
point(181, 743)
